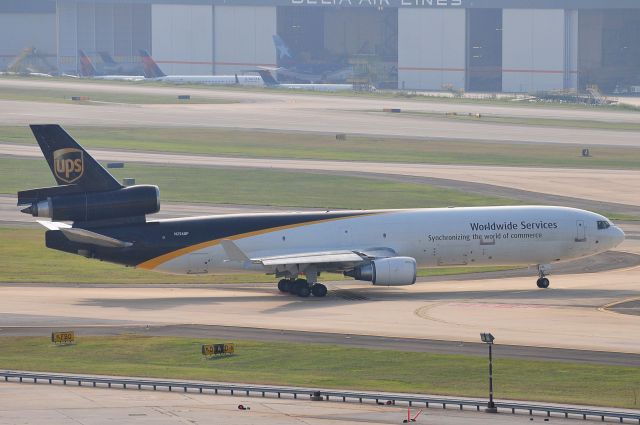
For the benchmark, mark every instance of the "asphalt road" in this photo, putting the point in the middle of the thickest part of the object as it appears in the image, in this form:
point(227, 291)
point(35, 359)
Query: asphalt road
point(57, 404)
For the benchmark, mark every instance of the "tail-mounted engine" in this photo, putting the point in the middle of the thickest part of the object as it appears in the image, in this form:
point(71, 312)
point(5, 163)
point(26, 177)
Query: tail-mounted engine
point(64, 203)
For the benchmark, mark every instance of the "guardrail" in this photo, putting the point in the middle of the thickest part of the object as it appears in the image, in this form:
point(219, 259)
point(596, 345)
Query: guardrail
point(313, 394)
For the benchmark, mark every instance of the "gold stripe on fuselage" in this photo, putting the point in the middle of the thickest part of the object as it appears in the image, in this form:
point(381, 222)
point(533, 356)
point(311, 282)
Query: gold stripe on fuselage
point(155, 262)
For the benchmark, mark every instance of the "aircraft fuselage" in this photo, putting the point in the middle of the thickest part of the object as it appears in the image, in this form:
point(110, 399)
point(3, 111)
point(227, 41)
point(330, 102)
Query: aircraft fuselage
point(520, 235)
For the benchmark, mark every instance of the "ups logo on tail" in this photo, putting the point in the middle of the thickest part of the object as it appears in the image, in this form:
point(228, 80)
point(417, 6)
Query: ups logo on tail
point(68, 164)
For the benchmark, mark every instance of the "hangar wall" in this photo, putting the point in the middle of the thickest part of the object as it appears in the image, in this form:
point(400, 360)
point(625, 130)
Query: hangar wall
point(21, 30)
point(67, 25)
point(431, 48)
point(539, 50)
point(243, 38)
point(182, 38)
point(119, 29)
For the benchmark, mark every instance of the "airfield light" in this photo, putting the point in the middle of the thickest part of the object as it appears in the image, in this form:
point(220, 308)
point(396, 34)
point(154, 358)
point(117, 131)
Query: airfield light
point(488, 339)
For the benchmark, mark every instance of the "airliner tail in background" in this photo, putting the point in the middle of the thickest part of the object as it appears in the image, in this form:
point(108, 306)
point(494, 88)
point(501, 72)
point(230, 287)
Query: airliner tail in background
point(87, 69)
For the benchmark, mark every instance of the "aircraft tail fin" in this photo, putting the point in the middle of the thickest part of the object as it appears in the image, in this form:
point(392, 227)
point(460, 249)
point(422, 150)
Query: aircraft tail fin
point(106, 58)
point(268, 78)
point(70, 164)
point(151, 68)
point(86, 66)
point(281, 47)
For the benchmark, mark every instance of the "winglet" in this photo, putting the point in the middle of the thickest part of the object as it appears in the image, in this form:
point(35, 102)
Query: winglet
point(234, 253)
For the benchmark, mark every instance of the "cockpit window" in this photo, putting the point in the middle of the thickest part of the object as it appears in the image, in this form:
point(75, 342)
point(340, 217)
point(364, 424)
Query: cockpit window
point(603, 225)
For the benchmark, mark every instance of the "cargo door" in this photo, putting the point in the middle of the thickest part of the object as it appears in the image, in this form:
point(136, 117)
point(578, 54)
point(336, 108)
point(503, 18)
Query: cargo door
point(198, 263)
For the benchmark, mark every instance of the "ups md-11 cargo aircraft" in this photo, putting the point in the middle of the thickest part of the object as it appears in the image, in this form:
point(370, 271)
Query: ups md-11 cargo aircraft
point(383, 247)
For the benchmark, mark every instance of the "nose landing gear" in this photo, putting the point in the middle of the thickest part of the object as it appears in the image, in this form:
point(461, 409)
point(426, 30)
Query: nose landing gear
point(542, 281)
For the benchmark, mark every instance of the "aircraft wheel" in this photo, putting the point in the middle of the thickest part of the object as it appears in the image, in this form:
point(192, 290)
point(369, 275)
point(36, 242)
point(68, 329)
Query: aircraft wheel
point(543, 283)
point(298, 285)
point(303, 291)
point(284, 285)
point(319, 290)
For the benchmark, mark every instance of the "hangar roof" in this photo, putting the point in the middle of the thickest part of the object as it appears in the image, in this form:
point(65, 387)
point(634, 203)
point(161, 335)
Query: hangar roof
point(377, 4)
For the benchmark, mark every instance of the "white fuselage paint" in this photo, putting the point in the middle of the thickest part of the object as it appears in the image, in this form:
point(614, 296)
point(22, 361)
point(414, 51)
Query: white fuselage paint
point(477, 236)
point(221, 80)
point(317, 87)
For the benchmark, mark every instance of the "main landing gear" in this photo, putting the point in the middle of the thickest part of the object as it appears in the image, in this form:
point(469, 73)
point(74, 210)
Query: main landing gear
point(542, 281)
point(302, 288)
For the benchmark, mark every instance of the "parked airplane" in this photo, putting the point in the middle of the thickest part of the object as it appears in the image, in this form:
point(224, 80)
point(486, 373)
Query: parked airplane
point(110, 66)
point(87, 70)
point(153, 72)
point(270, 81)
point(383, 247)
point(291, 68)
point(30, 62)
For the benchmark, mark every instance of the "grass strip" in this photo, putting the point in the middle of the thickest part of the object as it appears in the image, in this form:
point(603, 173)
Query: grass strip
point(274, 144)
point(329, 366)
point(539, 122)
point(99, 97)
point(25, 259)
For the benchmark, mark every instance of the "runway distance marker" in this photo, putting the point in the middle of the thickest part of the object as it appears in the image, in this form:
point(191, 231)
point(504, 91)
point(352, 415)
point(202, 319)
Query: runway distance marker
point(63, 338)
point(218, 349)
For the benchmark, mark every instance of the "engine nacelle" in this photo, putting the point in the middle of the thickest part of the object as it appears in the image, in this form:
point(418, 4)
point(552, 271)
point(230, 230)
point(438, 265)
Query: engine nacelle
point(126, 202)
point(394, 271)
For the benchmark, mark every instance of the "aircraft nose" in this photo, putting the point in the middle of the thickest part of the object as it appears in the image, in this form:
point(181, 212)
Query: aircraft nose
point(618, 236)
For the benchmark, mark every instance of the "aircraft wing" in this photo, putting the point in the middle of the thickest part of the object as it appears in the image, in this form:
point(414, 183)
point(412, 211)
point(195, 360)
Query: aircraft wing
point(310, 258)
point(234, 253)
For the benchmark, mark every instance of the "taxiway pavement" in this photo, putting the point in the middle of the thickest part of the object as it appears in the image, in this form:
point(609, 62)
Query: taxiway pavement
point(53, 405)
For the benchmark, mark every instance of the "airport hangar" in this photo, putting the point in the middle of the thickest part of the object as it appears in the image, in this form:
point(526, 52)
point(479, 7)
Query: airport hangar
point(475, 45)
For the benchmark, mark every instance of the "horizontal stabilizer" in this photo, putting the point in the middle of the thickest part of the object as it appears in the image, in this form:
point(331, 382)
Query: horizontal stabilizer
point(53, 225)
point(92, 238)
point(311, 258)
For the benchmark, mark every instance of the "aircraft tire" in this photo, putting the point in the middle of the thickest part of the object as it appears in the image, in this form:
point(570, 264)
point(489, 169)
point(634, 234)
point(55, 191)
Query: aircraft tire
point(298, 285)
point(319, 290)
point(543, 283)
point(303, 291)
point(284, 285)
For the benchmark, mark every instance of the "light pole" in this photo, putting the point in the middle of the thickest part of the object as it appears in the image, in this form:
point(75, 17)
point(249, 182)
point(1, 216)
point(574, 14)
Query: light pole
point(488, 339)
